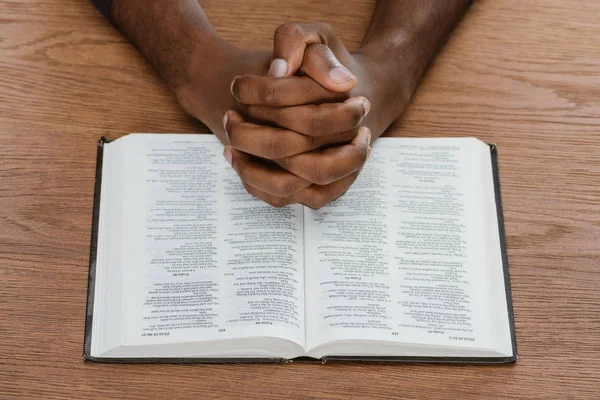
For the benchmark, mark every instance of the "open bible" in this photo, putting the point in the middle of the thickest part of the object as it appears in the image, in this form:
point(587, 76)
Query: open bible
point(408, 265)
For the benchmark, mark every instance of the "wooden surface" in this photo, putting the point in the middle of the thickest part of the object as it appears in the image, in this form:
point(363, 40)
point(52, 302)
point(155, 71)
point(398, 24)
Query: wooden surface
point(523, 74)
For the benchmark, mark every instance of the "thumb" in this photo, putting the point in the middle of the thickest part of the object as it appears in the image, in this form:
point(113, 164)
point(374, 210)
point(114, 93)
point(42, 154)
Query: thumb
point(323, 66)
point(289, 44)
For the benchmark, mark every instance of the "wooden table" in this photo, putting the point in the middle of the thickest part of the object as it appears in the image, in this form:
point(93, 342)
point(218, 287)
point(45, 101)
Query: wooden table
point(523, 74)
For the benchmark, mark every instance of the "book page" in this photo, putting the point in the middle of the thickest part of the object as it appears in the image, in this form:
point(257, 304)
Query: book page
point(205, 260)
point(400, 257)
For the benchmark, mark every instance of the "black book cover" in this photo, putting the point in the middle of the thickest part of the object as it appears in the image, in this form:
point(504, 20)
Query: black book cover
point(444, 360)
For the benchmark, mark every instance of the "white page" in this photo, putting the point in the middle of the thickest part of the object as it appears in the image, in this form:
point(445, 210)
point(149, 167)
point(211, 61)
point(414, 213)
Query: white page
point(400, 257)
point(204, 260)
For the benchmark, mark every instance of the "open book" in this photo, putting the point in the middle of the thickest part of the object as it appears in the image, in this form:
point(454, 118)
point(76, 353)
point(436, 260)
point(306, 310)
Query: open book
point(409, 264)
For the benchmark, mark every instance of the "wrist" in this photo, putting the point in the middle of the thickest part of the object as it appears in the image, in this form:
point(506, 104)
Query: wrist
point(200, 91)
point(200, 65)
point(388, 86)
point(403, 60)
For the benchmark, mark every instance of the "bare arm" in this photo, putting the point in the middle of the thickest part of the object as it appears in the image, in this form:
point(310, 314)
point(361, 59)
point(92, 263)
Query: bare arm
point(410, 33)
point(167, 33)
point(198, 65)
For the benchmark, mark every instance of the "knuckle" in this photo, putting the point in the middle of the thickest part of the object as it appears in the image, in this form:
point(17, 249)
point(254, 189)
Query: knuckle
point(271, 94)
point(356, 153)
point(284, 188)
point(288, 31)
point(306, 86)
point(319, 49)
point(284, 162)
point(277, 202)
point(320, 173)
point(346, 136)
point(316, 200)
point(317, 123)
point(313, 142)
point(314, 56)
point(325, 27)
point(326, 33)
point(254, 110)
point(355, 116)
point(276, 147)
point(271, 200)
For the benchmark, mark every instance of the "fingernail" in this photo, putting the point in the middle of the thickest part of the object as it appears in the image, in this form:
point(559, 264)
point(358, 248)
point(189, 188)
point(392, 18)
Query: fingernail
point(231, 88)
point(340, 74)
point(225, 119)
point(366, 105)
point(278, 68)
point(228, 155)
point(368, 137)
point(368, 154)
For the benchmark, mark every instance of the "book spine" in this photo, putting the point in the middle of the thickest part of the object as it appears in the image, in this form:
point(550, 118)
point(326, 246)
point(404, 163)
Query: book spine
point(93, 251)
point(503, 248)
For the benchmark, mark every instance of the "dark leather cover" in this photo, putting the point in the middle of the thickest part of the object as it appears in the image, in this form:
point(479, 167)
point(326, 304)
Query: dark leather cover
point(89, 311)
point(440, 360)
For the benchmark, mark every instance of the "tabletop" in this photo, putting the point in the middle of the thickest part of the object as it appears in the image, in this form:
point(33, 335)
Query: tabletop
point(522, 74)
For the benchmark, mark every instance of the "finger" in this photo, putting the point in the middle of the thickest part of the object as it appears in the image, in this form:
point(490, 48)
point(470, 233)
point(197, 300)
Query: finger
point(290, 42)
point(316, 196)
point(329, 165)
point(315, 120)
point(265, 141)
point(320, 63)
point(274, 143)
point(264, 176)
point(269, 198)
point(288, 91)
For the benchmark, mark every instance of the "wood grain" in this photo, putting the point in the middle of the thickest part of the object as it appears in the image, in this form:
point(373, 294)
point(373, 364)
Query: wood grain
point(523, 74)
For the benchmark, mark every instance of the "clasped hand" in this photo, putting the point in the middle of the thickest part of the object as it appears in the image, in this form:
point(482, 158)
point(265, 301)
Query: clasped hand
point(299, 136)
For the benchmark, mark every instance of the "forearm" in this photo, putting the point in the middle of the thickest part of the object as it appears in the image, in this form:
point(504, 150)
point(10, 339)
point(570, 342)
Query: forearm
point(411, 32)
point(168, 34)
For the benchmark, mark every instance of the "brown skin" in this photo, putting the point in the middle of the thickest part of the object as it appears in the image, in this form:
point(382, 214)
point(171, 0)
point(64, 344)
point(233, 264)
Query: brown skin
point(295, 132)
